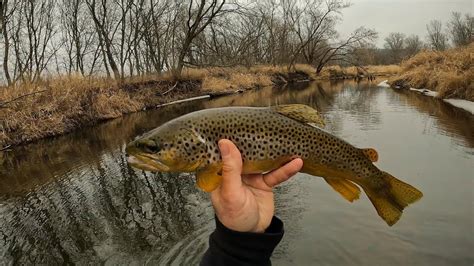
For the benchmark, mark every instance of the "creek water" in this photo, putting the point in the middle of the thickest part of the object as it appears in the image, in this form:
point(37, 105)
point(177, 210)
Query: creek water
point(74, 199)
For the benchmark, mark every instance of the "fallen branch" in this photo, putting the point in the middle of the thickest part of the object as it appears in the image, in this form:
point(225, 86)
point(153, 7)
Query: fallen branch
point(283, 79)
point(185, 100)
point(6, 147)
point(2, 104)
point(172, 88)
point(303, 80)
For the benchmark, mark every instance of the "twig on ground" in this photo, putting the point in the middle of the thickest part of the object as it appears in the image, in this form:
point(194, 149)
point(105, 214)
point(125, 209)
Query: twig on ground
point(172, 88)
point(2, 104)
point(5, 148)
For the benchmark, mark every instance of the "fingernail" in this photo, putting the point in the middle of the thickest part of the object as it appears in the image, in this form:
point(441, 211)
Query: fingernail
point(223, 148)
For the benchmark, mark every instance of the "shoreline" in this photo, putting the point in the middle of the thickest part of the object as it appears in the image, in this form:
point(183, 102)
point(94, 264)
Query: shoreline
point(63, 104)
point(458, 103)
point(131, 97)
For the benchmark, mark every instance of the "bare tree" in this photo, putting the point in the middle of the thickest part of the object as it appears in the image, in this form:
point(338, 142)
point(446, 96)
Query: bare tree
point(102, 17)
point(413, 45)
point(436, 37)
point(136, 35)
point(5, 14)
point(313, 25)
point(126, 37)
point(159, 27)
point(395, 43)
point(343, 50)
point(78, 37)
point(461, 29)
point(199, 16)
point(33, 29)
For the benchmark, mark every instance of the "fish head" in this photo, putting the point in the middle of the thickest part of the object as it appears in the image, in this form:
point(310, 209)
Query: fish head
point(170, 148)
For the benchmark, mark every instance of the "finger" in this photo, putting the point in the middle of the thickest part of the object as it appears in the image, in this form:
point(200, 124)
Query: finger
point(283, 173)
point(231, 166)
point(256, 181)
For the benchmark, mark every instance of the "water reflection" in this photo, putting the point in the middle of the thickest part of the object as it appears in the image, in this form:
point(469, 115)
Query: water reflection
point(449, 120)
point(104, 213)
point(73, 199)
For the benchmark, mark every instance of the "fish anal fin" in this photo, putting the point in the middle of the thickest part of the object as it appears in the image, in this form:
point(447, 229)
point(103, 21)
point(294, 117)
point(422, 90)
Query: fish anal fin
point(301, 113)
point(371, 154)
point(336, 178)
point(208, 179)
point(346, 188)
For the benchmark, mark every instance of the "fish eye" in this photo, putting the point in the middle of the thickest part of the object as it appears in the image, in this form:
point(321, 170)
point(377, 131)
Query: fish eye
point(149, 146)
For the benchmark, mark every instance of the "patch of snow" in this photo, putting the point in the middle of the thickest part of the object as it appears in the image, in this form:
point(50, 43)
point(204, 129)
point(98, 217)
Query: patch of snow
point(425, 92)
point(463, 104)
point(384, 84)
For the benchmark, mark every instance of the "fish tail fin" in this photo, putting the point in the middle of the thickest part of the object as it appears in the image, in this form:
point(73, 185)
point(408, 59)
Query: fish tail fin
point(390, 196)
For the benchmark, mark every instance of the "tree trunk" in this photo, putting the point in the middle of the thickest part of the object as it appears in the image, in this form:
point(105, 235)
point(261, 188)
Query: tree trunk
point(3, 23)
point(110, 57)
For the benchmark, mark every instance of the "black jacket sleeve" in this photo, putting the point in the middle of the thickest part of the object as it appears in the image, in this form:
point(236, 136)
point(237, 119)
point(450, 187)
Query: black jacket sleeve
point(228, 247)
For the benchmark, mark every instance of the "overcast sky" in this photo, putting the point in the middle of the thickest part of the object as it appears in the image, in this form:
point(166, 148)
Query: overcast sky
point(407, 16)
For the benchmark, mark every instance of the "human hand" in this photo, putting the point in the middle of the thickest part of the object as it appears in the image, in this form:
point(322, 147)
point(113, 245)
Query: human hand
point(245, 203)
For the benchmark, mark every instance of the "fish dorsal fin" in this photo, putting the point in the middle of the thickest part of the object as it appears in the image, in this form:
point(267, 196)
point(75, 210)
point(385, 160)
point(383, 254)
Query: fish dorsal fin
point(346, 188)
point(371, 154)
point(300, 112)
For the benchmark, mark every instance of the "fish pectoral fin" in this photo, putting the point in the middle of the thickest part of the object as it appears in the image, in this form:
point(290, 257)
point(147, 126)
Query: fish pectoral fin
point(301, 113)
point(346, 188)
point(208, 179)
point(371, 154)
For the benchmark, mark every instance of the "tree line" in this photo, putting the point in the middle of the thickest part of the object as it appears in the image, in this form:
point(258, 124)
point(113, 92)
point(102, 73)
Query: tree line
point(458, 31)
point(120, 38)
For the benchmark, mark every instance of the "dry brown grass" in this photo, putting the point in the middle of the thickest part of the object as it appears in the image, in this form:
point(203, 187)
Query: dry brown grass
point(66, 103)
point(450, 73)
point(384, 70)
point(240, 78)
point(235, 81)
point(338, 72)
point(281, 70)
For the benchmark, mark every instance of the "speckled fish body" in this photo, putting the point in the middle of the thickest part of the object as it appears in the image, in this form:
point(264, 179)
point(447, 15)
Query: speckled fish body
point(267, 138)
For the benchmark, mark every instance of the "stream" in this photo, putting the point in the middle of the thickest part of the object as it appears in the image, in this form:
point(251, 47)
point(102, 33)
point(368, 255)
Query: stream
point(74, 200)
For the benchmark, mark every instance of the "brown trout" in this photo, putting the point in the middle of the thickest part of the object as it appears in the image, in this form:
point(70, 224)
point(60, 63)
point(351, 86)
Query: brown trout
point(268, 138)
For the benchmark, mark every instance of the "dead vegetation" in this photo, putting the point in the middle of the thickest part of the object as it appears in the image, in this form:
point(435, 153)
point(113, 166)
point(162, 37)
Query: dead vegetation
point(353, 72)
point(31, 111)
point(54, 106)
point(65, 103)
point(450, 73)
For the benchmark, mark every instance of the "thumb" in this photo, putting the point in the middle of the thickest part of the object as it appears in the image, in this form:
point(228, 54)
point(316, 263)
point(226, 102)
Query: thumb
point(231, 166)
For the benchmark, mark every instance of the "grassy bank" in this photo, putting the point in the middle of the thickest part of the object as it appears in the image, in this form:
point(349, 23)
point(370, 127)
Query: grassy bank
point(450, 73)
point(337, 72)
point(61, 104)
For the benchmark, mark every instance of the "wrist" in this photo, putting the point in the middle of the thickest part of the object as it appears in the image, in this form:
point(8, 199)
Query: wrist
point(230, 247)
point(275, 227)
point(239, 224)
point(244, 224)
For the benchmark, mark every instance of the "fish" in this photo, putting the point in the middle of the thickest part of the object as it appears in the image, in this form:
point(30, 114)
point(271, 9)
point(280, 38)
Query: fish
point(269, 137)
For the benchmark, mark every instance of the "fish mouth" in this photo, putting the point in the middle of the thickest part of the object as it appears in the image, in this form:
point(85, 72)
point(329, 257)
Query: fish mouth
point(147, 162)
